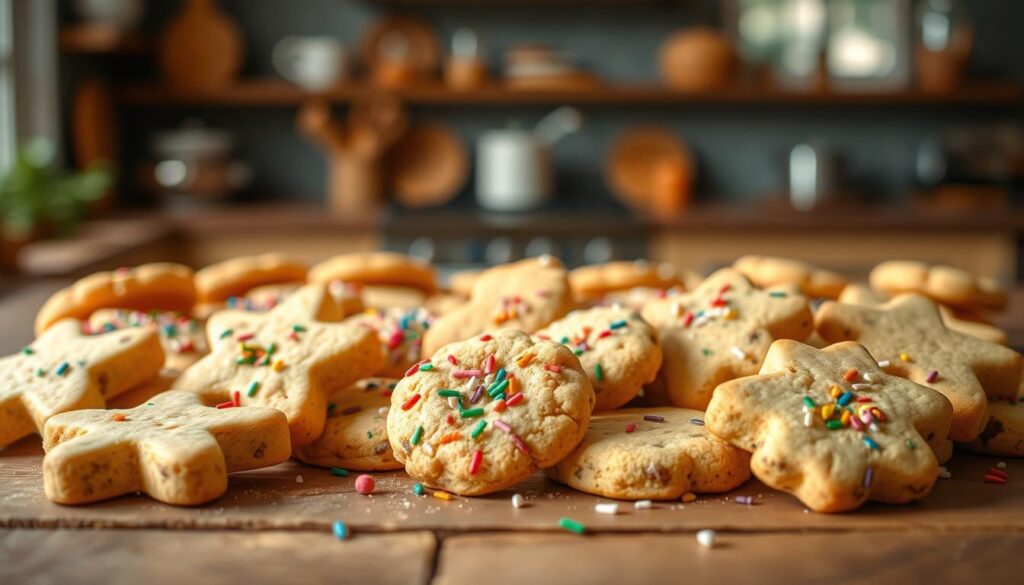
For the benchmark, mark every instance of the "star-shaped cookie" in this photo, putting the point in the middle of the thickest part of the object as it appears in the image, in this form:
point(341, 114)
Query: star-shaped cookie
point(64, 370)
point(832, 428)
point(721, 331)
point(908, 336)
point(289, 358)
point(173, 448)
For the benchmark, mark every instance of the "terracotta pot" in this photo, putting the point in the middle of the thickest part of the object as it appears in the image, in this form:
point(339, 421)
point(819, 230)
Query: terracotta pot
point(699, 59)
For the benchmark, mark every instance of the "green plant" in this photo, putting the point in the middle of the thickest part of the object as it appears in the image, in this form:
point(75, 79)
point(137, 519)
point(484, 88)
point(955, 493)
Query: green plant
point(35, 193)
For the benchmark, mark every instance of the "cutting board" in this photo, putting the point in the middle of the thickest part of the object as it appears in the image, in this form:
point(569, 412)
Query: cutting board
point(201, 49)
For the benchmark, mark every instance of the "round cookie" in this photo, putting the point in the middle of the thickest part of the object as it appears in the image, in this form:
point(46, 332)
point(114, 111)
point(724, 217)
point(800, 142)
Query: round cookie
point(400, 332)
point(236, 276)
point(161, 286)
point(616, 348)
point(1004, 432)
point(770, 271)
point(943, 284)
point(525, 295)
point(595, 281)
point(390, 297)
point(377, 268)
point(486, 413)
point(183, 338)
point(355, 436)
point(655, 454)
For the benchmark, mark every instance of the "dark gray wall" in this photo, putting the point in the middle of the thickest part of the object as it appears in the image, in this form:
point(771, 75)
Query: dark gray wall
point(741, 150)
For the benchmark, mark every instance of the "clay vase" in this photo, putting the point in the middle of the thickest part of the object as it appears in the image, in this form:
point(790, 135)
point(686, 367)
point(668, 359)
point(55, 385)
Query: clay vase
point(201, 49)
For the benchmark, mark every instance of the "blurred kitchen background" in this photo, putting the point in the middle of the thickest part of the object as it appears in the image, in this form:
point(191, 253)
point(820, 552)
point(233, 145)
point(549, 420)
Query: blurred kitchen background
point(843, 132)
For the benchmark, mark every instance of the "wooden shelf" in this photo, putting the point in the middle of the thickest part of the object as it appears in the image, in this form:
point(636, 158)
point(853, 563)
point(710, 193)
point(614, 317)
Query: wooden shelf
point(273, 92)
point(92, 39)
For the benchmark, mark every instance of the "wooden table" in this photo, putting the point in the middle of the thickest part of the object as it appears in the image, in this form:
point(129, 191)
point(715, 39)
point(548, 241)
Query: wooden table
point(271, 527)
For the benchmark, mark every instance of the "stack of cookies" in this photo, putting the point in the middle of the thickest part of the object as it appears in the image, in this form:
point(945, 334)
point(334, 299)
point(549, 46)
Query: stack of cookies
point(625, 380)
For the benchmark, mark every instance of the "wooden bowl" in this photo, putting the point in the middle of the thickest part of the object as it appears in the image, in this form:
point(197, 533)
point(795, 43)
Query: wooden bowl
point(636, 160)
point(429, 165)
point(423, 58)
point(698, 59)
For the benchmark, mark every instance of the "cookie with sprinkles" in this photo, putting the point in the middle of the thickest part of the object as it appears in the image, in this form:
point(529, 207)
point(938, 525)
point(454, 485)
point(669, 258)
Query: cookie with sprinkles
point(858, 294)
point(651, 454)
point(355, 436)
point(1004, 432)
point(526, 295)
point(182, 337)
point(721, 331)
point(173, 448)
point(617, 349)
point(593, 282)
point(772, 271)
point(908, 337)
point(400, 332)
point(65, 369)
point(160, 286)
point(288, 358)
point(486, 413)
point(832, 428)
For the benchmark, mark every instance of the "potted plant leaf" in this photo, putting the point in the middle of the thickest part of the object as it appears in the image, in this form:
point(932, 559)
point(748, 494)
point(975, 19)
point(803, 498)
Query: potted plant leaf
point(39, 199)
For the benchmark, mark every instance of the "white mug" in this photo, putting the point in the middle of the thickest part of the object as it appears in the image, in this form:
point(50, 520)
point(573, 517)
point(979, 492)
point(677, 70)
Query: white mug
point(313, 63)
point(514, 171)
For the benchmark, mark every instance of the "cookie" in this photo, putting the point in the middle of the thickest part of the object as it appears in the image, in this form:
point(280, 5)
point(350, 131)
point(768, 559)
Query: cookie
point(355, 436)
point(857, 294)
point(908, 335)
point(288, 358)
point(1004, 431)
point(486, 413)
point(65, 369)
point(770, 271)
point(441, 303)
point(832, 428)
point(237, 276)
point(463, 281)
point(651, 454)
point(943, 284)
point(595, 281)
point(172, 448)
point(617, 349)
point(161, 286)
point(391, 297)
point(144, 392)
point(635, 298)
point(721, 331)
point(400, 332)
point(377, 268)
point(525, 295)
point(182, 337)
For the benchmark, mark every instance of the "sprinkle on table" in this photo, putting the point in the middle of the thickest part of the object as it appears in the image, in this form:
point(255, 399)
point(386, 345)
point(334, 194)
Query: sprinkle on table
point(884, 364)
point(518, 501)
point(339, 472)
point(654, 418)
point(118, 417)
point(904, 357)
point(932, 376)
point(442, 495)
point(339, 529)
point(630, 427)
point(571, 525)
point(744, 500)
point(643, 505)
point(417, 488)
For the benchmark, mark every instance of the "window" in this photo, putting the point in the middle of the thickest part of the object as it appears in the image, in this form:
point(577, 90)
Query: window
point(8, 129)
